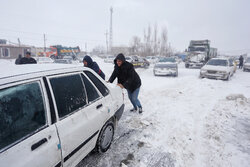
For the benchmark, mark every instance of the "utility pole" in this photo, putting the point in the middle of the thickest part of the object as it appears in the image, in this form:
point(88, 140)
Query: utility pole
point(19, 43)
point(106, 34)
point(111, 30)
point(44, 42)
point(86, 48)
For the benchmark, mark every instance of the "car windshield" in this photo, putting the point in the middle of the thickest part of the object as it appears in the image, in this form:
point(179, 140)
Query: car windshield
point(128, 58)
point(217, 62)
point(167, 59)
point(248, 60)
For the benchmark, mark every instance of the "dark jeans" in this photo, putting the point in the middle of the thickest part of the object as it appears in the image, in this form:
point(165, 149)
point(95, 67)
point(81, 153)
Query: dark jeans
point(133, 97)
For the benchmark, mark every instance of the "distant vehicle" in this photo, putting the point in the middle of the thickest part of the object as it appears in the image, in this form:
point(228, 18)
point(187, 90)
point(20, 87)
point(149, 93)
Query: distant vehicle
point(63, 61)
point(109, 59)
point(218, 68)
point(129, 59)
point(152, 59)
point(166, 66)
point(44, 60)
point(139, 62)
point(246, 66)
point(59, 51)
point(52, 116)
point(199, 52)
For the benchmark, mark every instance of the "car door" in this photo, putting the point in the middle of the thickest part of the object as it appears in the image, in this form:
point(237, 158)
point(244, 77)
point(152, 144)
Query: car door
point(78, 116)
point(27, 138)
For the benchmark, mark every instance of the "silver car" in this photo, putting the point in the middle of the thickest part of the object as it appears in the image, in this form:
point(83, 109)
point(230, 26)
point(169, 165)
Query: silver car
point(166, 66)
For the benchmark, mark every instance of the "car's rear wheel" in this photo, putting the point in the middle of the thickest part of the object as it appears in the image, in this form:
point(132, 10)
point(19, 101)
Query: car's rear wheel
point(105, 137)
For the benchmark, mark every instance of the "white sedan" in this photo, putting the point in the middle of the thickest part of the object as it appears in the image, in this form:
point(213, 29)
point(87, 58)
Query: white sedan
point(218, 68)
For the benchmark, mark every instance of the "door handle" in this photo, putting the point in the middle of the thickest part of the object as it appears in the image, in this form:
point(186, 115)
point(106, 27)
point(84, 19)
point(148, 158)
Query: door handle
point(38, 144)
point(99, 106)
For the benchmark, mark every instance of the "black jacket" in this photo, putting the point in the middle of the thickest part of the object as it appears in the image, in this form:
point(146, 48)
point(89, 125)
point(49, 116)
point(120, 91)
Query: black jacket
point(25, 60)
point(94, 66)
point(18, 60)
point(126, 74)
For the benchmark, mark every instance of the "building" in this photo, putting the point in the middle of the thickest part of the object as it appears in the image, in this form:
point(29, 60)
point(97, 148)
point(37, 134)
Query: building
point(8, 51)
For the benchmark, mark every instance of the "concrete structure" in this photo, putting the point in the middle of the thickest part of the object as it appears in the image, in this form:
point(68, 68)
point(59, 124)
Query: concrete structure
point(8, 51)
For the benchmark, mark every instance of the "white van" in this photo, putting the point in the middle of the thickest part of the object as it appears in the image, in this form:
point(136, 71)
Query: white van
point(54, 115)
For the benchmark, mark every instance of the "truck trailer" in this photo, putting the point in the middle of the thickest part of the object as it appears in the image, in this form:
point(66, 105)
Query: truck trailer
point(198, 53)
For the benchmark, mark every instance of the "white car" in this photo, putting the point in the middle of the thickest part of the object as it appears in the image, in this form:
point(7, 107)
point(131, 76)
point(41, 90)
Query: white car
point(166, 66)
point(109, 59)
point(246, 66)
point(218, 68)
point(152, 59)
point(54, 115)
point(44, 60)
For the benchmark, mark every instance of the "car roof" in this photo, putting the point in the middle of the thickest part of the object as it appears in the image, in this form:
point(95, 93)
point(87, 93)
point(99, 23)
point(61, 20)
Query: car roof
point(220, 58)
point(12, 73)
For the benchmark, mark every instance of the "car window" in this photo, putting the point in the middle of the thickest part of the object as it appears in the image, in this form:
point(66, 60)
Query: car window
point(91, 91)
point(22, 112)
point(69, 93)
point(100, 86)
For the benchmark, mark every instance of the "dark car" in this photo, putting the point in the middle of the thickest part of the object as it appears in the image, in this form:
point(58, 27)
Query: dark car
point(139, 62)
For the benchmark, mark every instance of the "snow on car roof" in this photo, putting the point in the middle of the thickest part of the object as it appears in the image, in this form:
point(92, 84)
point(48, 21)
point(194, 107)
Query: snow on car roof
point(220, 58)
point(11, 70)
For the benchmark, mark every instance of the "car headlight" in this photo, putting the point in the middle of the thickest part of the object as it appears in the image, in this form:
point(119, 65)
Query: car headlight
point(203, 71)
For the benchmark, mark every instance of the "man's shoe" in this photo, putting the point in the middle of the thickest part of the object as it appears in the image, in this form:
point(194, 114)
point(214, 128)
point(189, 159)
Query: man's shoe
point(140, 110)
point(133, 110)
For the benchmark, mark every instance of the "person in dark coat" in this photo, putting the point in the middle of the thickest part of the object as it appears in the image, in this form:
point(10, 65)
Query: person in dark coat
point(27, 59)
point(128, 79)
point(88, 62)
point(241, 59)
point(18, 59)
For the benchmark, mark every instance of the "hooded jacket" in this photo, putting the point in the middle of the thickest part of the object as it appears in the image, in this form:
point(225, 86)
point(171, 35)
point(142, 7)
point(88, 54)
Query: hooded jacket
point(126, 74)
point(94, 66)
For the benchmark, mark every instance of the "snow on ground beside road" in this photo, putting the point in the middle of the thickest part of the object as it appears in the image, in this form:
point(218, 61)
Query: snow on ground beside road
point(186, 121)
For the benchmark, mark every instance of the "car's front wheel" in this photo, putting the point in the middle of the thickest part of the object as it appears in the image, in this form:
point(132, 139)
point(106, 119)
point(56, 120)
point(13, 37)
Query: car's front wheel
point(228, 77)
point(105, 137)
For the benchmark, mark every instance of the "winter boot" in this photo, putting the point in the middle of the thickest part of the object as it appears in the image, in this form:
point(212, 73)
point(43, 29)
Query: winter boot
point(133, 110)
point(140, 110)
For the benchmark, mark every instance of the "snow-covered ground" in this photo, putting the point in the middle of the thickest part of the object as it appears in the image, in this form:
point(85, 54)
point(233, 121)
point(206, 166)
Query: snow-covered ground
point(186, 121)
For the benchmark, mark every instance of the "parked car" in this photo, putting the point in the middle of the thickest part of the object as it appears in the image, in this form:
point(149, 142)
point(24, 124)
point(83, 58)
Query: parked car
point(218, 68)
point(63, 61)
point(44, 60)
point(152, 59)
point(129, 59)
point(109, 59)
point(139, 62)
point(166, 66)
point(246, 66)
point(54, 115)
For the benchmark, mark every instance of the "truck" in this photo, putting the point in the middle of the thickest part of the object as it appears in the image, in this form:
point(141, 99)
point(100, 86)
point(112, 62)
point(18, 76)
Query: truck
point(59, 51)
point(198, 53)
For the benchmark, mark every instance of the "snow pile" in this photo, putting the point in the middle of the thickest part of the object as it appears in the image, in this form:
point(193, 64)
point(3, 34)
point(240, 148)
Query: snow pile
point(228, 132)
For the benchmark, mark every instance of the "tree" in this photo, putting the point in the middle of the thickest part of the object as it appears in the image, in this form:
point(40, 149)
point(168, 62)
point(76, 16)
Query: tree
point(135, 46)
point(164, 42)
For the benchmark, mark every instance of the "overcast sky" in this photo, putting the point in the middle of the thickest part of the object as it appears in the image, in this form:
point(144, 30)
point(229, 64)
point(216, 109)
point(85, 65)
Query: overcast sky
point(76, 22)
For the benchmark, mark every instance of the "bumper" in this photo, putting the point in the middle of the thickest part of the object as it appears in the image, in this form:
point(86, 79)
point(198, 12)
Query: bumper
point(246, 68)
point(214, 76)
point(165, 72)
point(119, 112)
point(195, 65)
